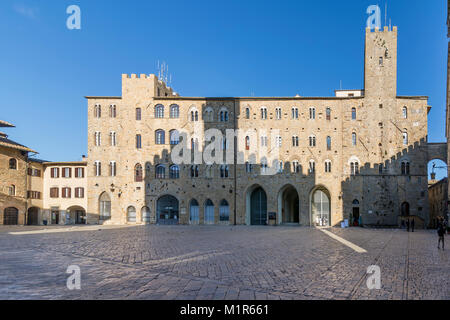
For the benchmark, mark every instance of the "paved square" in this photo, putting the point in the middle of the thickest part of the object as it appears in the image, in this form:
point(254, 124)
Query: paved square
point(219, 262)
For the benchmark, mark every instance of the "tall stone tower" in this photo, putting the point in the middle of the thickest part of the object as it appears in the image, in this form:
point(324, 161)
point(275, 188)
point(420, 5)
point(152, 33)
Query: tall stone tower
point(380, 68)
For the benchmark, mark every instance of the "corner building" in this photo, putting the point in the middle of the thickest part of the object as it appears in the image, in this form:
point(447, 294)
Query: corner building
point(359, 155)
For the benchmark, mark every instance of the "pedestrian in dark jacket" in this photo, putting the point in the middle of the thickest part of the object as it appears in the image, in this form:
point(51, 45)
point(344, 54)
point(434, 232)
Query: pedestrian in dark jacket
point(441, 232)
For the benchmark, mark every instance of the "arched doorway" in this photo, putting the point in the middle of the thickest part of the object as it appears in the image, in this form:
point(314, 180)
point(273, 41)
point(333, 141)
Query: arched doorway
point(105, 206)
point(167, 210)
point(288, 205)
point(33, 216)
point(209, 212)
point(77, 215)
point(258, 207)
point(131, 214)
point(11, 216)
point(194, 215)
point(355, 213)
point(405, 209)
point(320, 207)
point(145, 214)
point(224, 211)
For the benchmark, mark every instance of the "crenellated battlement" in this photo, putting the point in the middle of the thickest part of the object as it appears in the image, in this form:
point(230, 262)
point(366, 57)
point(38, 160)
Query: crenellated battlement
point(384, 30)
point(149, 85)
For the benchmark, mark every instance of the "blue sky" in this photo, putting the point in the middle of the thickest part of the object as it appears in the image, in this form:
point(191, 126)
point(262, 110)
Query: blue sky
point(213, 48)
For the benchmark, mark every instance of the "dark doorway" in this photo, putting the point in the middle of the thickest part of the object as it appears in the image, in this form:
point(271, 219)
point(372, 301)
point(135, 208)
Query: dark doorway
point(33, 216)
point(405, 209)
point(167, 210)
point(355, 216)
point(80, 217)
point(290, 205)
point(258, 207)
point(55, 217)
point(11, 216)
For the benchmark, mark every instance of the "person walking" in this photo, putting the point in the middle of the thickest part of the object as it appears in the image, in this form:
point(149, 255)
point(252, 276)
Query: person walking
point(441, 232)
point(412, 225)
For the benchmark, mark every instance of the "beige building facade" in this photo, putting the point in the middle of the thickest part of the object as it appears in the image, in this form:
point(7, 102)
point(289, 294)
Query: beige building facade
point(360, 155)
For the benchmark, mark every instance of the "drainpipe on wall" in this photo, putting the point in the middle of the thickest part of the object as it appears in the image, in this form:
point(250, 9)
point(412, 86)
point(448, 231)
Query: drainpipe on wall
point(235, 161)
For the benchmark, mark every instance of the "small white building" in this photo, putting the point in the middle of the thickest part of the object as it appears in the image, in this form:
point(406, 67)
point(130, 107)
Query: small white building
point(65, 187)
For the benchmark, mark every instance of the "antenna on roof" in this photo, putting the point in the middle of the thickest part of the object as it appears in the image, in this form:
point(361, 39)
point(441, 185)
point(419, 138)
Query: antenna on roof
point(159, 70)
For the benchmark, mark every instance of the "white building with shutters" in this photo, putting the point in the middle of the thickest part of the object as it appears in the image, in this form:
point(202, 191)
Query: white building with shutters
point(65, 188)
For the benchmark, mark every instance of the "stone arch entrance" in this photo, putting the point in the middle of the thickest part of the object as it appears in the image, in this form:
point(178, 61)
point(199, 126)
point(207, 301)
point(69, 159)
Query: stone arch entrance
point(320, 206)
point(33, 216)
point(288, 205)
point(256, 207)
point(167, 210)
point(131, 214)
point(209, 212)
point(77, 215)
point(105, 207)
point(11, 216)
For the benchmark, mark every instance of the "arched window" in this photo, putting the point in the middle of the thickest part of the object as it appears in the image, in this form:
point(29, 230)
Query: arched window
point(112, 168)
point(312, 113)
point(353, 139)
point(112, 138)
point(174, 111)
point(278, 113)
point(194, 115)
point(327, 166)
point(328, 143)
point(174, 137)
point(353, 113)
point(247, 143)
point(138, 172)
point(174, 172)
point(247, 113)
point(98, 138)
point(355, 202)
point(294, 113)
point(224, 211)
point(138, 114)
point(12, 190)
point(112, 110)
point(194, 171)
point(295, 141)
point(296, 166)
point(263, 113)
point(160, 171)
point(248, 167)
point(13, 164)
point(224, 171)
point(405, 167)
point(159, 111)
point(97, 111)
point(405, 112)
point(223, 115)
point(145, 214)
point(160, 136)
point(105, 206)
point(209, 115)
point(312, 141)
point(312, 166)
point(328, 113)
point(97, 168)
point(138, 141)
point(131, 214)
point(354, 168)
point(405, 138)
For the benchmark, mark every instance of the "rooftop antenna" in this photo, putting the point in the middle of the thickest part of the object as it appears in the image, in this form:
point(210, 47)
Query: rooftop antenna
point(159, 71)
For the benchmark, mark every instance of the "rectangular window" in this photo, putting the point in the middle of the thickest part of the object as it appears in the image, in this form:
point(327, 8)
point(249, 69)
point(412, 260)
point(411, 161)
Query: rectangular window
point(79, 172)
point(54, 172)
point(66, 172)
point(138, 141)
point(79, 192)
point(54, 192)
point(66, 192)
